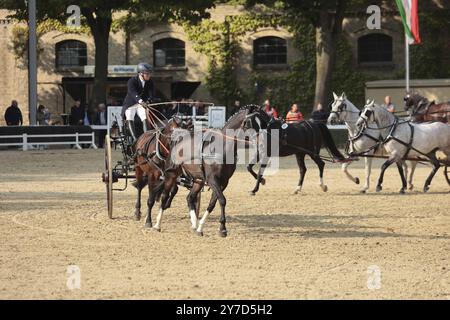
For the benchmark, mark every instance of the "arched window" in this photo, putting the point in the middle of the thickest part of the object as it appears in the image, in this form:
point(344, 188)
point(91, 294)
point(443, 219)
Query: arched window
point(269, 50)
point(70, 53)
point(169, 52)
point(375, 47)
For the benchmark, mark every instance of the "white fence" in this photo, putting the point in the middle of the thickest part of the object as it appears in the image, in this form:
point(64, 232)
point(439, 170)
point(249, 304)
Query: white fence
point(26, 144)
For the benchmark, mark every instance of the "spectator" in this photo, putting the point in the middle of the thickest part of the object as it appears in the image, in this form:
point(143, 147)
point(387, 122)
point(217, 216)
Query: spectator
point(47, 116)
point(235, 108)
point(171, 110)
point(76, 114)
point(320, 115)
point(13, 115)
point(293, 115)
point(388, 104)
point(200, 108)
point(101, 120)
point(271, 111)
point(86, 119)
point(185, 107)
point(41, 116)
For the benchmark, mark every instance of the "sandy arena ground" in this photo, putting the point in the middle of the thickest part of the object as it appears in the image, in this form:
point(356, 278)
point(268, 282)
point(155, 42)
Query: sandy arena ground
point(314, 245)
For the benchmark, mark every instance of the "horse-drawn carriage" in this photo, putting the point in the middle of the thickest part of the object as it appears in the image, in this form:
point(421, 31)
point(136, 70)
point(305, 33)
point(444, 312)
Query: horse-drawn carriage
point(124, 169)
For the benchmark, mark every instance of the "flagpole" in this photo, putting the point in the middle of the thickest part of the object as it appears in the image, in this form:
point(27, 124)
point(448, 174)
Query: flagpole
point(407, 63)
point(32, 62)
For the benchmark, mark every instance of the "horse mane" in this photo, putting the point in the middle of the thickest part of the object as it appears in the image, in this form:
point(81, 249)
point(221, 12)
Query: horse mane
point(235, 115)
point(351, 104)
point(383, 113)
point(415, 98)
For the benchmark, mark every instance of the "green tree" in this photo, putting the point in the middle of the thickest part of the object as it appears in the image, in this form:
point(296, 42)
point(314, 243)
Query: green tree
point(326, 16)
point(98, 15)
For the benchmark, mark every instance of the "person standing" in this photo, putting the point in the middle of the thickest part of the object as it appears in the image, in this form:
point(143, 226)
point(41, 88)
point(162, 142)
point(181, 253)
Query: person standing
point(140, 90)
point(102, 120)
point(13, 115)
point(86, 119)
point(388, 105)
point(271, 111)
point(41, 116)
point(320, 115)
point(235, 108)
point(77, 114)
point(294, 115)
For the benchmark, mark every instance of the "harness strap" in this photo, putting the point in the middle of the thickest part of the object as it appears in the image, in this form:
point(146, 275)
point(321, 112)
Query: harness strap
point(409, 146)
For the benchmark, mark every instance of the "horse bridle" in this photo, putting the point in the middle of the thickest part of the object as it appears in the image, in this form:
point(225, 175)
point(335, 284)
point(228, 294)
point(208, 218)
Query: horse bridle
point(341, 108)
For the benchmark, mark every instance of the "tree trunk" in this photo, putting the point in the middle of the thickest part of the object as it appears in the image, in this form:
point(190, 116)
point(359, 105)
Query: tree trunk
point(328, 28)
point(100, 27)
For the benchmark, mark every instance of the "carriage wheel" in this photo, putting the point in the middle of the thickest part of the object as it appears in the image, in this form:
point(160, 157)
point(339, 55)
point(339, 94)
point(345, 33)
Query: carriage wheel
point(446, 173)
point(109, 182)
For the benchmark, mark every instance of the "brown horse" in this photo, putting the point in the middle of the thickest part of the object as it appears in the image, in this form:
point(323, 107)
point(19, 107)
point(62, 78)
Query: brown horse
point(205, 162)
point(423, 110)
point(151, 151)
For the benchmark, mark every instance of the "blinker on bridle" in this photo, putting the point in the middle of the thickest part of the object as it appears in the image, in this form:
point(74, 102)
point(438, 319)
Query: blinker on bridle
point(341, 108)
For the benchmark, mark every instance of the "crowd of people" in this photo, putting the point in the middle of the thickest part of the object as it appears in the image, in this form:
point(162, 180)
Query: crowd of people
point(318, 114)
point(294, 115)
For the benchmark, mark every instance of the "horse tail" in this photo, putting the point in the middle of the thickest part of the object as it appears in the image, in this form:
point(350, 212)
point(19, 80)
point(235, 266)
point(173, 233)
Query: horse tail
point(329, 142)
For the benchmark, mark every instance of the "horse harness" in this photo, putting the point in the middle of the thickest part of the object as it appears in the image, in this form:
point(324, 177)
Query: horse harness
point(149, 158)
point(390, 136)
point(351, 140)
point(408, 145)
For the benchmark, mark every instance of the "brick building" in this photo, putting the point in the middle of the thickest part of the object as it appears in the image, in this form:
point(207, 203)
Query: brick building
point(65, 64)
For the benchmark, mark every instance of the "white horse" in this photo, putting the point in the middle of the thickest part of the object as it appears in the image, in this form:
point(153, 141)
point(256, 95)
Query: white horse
point(367, 142)
point(403, 139)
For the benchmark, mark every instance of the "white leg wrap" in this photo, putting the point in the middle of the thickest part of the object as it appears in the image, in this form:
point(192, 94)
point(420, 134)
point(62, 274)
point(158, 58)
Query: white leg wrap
point(158, 219)
point(202, 221)
point(193, 219)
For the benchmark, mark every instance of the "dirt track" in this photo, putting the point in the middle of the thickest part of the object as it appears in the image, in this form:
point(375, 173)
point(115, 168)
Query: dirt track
point(312, 245)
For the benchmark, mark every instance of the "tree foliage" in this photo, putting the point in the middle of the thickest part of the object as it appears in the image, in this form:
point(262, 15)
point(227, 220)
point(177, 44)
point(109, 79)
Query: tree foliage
point(98, 15)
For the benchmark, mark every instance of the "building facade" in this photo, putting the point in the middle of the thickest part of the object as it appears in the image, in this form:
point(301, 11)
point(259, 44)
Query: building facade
point(66, 60)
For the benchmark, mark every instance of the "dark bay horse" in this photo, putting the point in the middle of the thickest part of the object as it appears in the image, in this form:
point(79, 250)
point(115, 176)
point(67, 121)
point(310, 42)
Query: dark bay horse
point(152, 151)
point(208, 158)
point(423, 110)
point(303, 138)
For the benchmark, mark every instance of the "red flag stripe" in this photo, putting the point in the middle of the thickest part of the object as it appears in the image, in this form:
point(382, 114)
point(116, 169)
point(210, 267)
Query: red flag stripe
point(415, 21)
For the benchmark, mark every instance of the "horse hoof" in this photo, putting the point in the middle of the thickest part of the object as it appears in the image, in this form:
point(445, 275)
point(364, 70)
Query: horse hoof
point(199, 233)
point(357, 180)
point(263, 181)
point(156, 229)
point(325, 188)
point(362, 191)
point(137, 217)
point(294, 192)
point(252, 193)
point(148, 225)
point(426, 188)
point(223, 233)
point(379, 188)
point(411, 187)
point(402, 191)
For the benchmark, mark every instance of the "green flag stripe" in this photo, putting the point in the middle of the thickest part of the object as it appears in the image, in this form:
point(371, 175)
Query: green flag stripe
point(403, 15)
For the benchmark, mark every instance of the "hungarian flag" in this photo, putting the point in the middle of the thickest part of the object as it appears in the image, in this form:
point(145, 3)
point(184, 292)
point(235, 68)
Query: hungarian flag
point(410, 19)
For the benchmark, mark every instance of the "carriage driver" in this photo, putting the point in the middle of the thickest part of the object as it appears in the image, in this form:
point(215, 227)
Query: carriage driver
point(140, 90)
